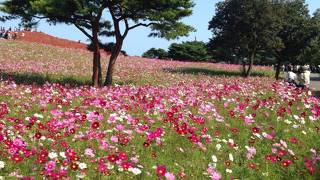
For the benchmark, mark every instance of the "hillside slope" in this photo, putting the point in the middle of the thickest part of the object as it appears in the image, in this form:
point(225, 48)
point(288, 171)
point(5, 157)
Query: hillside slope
point(39, 37)
point(26, 57)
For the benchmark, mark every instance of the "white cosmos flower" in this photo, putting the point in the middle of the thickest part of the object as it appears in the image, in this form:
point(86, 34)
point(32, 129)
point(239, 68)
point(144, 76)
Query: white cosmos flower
point(2, 164)
point(83, 166)
point(38, 115)
point(228, 170)
point(287, 121)
point(63, 154)
point(230, 157)
point(53, 155)
point(218, 147)
point(135, 171)
point(214, 158)
point(312, 118)
point(43, 138)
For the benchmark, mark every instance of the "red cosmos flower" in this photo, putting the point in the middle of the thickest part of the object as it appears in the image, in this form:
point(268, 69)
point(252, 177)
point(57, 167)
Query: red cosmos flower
point(154, 155)
point(286, 163)
point(293, 140)
point(95, 125)
point(74, 166)
point(309, 165)
point(41, 126)
point(43, 154)
point(65, 163)
point(126, 165)
point(112, 158)
point(146, 144)
point(64, 144)
point(122, 156)
point(227, 163)
point(193, 138)
point(234, 130)
point(217, 133)
point(161, 170)
point(8, 143)
point(72, 131)
point(255, 130)
point(83, 117)
point(282, 153)
point(271, 158)
point(204, 130)
point(27, 153)
point(303, 114)
point(182, 175)
point(71, 154)
point(170, 114)
point(102, 168)
point(123, 140)
point(37, 135)
point(252, 166)
point(231, 113)
point(16, 158)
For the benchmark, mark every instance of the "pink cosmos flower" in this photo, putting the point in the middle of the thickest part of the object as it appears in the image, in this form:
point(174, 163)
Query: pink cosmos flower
point(215, 175)
point(89, 152)
point(170, 176)
point(50, 166)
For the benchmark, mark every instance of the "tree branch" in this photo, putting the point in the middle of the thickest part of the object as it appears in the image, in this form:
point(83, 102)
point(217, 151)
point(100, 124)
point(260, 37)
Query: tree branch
point(127, 28)
point(141, 24)
point(84, 32)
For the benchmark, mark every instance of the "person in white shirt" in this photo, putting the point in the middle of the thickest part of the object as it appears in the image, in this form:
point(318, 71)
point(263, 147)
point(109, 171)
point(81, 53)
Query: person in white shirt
point(307, 75)
point(303, 77)
point(290, 76)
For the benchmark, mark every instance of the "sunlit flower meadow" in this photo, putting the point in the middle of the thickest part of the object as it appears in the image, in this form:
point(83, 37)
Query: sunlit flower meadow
point(162, 120)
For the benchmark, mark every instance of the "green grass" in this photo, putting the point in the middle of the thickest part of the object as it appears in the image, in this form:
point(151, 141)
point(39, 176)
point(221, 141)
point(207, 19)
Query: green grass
point(215, 72)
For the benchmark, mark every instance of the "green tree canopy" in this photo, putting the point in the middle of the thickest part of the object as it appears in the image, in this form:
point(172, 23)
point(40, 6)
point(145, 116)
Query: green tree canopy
point(311, 54)
point(296, 33)
point(242, 28)
point(189, 51)
point(155, 53)
point(163, 17)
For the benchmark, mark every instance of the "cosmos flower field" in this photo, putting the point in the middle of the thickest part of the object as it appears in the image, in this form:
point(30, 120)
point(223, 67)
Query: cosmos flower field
point(162, 120)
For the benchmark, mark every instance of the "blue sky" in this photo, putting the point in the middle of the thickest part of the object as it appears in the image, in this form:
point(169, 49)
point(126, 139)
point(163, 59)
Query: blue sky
point(138, 41)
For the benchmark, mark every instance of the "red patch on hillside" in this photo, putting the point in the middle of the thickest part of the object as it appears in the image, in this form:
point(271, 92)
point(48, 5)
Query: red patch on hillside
point(42, 38)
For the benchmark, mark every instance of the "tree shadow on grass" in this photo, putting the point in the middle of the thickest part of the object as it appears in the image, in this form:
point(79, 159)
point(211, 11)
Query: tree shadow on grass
point(210, 72)
point(41, 79)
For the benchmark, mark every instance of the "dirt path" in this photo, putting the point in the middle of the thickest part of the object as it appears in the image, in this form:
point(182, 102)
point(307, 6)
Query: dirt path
point(315, 84)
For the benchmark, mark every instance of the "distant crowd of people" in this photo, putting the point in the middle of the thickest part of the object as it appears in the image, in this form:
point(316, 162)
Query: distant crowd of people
point(12, 33)
point(298, 76)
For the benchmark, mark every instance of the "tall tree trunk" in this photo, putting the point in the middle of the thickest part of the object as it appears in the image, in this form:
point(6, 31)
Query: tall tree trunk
point(278, 68)
point(244, 70)
point(252, 58)
point(113, 58)
point(97, 75)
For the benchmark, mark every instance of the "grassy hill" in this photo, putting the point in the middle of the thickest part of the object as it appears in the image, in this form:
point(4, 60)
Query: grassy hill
point(46, 62)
